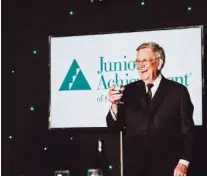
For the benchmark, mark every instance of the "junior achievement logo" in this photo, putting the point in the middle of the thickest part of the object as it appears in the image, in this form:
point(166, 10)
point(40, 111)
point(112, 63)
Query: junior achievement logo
point(75, 79)
point(119, 74)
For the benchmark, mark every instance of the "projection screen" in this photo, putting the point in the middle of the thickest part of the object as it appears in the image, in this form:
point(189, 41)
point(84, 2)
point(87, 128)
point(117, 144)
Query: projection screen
point(83, 68)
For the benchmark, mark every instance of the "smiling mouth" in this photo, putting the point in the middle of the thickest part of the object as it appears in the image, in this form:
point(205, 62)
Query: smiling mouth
point(144, 71)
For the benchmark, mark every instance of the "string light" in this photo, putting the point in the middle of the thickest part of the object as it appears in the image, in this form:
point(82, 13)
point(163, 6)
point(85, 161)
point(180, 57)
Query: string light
point(189, 8)
point(32, 108)
point(94, 0)
point(142, 3)
point(71, 13)
point(34, 52)
point(45, 148)
point(110, 167)
point(10, 137)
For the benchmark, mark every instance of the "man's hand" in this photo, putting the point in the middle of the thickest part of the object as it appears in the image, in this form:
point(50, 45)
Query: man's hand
point(114, 95)
point(180, 170)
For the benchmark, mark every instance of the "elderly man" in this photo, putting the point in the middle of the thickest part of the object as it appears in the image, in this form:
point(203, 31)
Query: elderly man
point(156, 117)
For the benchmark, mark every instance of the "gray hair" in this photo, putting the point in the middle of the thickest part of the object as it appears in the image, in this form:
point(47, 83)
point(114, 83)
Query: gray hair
point(157, 50)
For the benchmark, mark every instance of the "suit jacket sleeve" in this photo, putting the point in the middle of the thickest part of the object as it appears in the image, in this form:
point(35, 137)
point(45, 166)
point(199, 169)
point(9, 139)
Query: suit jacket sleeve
point(109, 120)
point(119, 123)
point(187, 126)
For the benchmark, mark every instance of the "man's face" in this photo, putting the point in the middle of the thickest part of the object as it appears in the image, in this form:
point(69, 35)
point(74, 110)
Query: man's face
point(147, 65)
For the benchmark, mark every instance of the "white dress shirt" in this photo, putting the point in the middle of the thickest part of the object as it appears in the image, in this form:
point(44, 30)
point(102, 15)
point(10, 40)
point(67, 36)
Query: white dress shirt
point(156, 84)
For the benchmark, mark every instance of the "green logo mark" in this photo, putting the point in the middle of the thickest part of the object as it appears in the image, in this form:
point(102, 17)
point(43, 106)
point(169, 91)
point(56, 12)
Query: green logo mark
point(75, 79)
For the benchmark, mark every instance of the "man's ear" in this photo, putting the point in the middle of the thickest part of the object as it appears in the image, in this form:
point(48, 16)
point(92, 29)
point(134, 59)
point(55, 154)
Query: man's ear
point(160, 64)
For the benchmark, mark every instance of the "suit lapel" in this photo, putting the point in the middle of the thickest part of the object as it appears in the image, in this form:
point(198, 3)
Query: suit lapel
point(159, 96)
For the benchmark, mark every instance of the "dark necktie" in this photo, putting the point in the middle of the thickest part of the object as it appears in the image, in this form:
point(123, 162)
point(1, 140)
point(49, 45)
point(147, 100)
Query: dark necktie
point(149, 93)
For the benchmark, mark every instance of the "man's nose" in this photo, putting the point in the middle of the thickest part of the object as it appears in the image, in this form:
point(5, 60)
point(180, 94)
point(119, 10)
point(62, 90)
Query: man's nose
point(141, 65)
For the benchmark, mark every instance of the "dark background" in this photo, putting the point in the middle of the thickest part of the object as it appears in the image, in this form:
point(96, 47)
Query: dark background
point(26, 26)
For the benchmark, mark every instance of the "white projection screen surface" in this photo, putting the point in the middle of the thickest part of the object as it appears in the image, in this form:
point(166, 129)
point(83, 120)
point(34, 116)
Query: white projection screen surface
point(83, 68)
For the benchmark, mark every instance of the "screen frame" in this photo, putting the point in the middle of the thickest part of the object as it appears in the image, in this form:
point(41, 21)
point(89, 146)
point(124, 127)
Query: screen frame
point(92, 129)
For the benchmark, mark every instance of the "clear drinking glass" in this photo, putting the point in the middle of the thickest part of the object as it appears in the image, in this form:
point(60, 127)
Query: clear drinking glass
point(62, 173)
point(120, 88)
point(95, 172)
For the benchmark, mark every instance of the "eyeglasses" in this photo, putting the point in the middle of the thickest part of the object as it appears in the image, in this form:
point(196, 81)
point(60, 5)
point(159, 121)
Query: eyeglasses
point(145, 61)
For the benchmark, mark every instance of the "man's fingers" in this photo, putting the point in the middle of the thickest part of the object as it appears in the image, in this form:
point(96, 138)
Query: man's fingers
point(112, 88)
point(175, 172)
point(114, 95)
point(115, 98)
point(113, 92)
point(178, 173)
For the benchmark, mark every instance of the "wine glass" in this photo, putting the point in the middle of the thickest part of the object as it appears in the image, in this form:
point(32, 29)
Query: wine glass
point(120, 88)
point(95, 172)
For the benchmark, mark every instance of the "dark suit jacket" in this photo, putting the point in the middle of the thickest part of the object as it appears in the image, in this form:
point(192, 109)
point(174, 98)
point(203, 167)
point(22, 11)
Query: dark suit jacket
point(159, 134)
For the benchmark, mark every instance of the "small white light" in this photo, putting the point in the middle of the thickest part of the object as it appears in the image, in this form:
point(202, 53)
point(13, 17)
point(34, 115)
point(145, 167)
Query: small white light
point(142, 3)
point(71, 12)
point(59, 174)
point(12, 71)
point(10, 137)
point(45, 148)
point(71, 138)
point(99, 146)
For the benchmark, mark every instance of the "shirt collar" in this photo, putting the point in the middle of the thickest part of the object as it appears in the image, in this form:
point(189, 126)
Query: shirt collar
point(157, 81)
